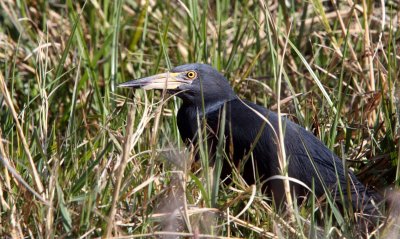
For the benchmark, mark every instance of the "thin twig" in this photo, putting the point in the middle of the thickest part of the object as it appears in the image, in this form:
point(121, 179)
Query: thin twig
point(18, 177)
point(367, 49)
point(121, 169)
point(282, 151)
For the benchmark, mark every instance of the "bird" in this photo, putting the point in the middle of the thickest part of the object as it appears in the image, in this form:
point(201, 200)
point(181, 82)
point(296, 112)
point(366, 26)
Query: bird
point(251, 129)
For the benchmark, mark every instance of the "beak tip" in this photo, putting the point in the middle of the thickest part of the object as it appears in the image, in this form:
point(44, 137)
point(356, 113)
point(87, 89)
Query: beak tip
point(126, 85)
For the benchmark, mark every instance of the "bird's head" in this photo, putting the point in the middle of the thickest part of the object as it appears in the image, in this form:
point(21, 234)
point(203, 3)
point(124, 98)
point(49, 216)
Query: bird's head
point(191, 82)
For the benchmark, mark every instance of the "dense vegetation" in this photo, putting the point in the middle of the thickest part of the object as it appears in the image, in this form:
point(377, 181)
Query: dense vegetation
point(69, 137)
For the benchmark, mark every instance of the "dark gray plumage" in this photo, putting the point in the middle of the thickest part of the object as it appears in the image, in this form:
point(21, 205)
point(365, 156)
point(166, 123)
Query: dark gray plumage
point(308, 158)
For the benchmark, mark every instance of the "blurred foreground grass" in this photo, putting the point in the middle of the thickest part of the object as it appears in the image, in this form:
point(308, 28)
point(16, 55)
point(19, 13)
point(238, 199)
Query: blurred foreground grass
point(63, 122)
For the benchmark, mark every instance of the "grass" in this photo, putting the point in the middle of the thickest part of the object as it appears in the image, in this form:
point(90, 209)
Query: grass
point(68, 170)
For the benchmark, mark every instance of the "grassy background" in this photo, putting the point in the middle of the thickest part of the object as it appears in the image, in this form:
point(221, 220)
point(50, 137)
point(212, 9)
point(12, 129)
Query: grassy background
point(63, 122)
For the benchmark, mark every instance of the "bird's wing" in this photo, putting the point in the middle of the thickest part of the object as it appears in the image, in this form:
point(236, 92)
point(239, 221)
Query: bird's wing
point(309, 159)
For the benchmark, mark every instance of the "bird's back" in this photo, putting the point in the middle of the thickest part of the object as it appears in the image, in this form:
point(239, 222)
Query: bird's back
point(309, 160)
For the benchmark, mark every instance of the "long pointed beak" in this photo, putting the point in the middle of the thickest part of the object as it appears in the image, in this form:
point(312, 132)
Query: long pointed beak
point(168, 81)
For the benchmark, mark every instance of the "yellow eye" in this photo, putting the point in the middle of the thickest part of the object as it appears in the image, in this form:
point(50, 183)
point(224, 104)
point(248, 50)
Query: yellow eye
point(191, 75)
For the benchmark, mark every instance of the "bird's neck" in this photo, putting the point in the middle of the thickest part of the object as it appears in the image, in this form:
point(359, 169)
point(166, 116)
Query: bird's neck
point(208, 101)
point(204, 108)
